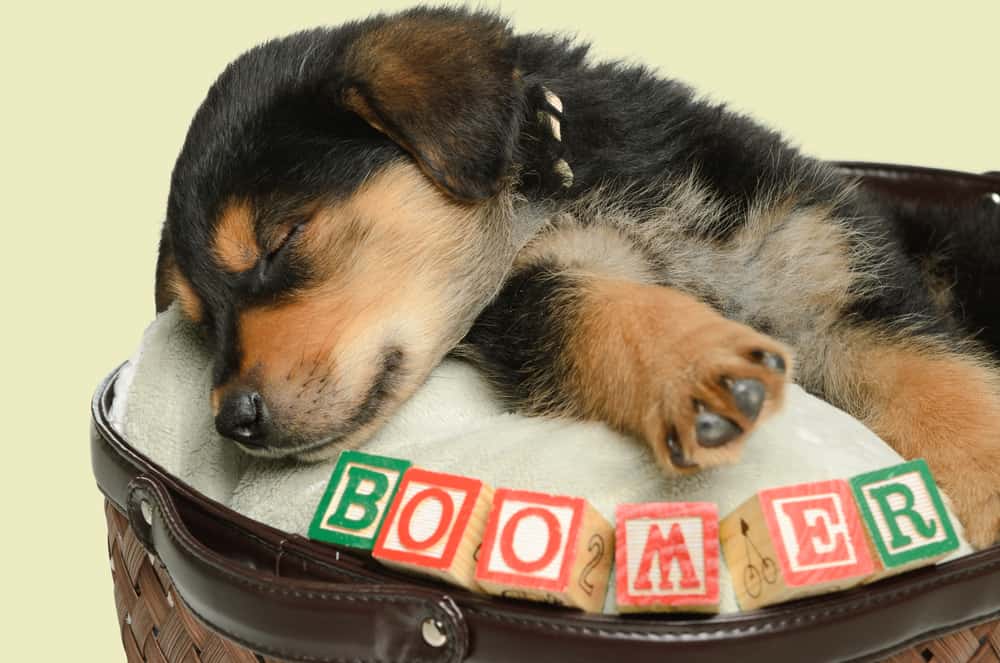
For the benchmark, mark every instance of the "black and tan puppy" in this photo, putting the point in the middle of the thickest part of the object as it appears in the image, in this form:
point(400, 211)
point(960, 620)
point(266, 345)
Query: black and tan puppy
point(353, 204)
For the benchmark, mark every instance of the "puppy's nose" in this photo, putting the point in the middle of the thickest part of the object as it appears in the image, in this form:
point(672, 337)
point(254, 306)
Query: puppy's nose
point(242, 417)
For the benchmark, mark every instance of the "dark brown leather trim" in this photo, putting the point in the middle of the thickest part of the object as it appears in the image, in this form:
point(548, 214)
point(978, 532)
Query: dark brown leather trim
point(286, 596)
point(944, 187)
point(292, 618)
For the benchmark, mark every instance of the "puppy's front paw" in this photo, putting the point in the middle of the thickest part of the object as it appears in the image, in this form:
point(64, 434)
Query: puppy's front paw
point(735, 379)
point(659, 364)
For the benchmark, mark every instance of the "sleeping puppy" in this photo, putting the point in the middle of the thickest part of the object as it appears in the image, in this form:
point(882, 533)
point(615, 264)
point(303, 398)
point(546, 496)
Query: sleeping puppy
point(353, 204)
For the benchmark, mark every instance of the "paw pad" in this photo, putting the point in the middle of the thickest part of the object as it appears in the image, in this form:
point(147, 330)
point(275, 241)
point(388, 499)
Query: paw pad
point(770, 360)
point(721, 402)
point(713, 430)
point(748, 395)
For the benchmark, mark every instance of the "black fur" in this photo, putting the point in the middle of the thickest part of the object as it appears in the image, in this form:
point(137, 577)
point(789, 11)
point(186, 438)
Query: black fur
point(518, 338)
point(304, 118)
point(958, 243)
point(273, 129)
point(627, 126)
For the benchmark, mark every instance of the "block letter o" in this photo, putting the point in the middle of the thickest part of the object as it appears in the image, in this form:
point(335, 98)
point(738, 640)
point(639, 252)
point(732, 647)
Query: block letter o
point(406, 518)
point(510, 556)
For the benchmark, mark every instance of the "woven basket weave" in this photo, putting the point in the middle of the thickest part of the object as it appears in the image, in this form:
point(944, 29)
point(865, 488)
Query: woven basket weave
point(156, 627)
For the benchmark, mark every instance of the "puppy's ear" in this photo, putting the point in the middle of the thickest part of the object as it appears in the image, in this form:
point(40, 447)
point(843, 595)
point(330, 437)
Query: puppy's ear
point(171, 285)
point(165, 267)
point(444, 85)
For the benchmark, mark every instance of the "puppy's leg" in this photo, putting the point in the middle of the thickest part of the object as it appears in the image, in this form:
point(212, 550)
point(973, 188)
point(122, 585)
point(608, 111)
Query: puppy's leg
point(580, 331)
point(930, 401)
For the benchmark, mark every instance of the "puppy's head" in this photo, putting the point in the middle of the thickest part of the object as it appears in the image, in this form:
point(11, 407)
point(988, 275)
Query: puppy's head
point(339, 215)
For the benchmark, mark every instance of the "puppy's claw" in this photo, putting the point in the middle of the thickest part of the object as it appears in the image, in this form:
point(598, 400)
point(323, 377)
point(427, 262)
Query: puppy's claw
point(553, 123)
point(549, 118)
point(748, 395)
point(770, 360)
point(677, 453)
point(565, 172)
point(713, 430)
point(552, 100)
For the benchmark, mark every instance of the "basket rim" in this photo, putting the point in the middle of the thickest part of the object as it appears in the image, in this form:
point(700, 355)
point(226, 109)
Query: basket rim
point(833, 602)
point(805, 617)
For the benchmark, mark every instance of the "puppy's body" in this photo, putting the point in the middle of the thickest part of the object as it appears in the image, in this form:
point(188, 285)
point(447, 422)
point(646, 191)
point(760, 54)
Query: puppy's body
point(352, 204)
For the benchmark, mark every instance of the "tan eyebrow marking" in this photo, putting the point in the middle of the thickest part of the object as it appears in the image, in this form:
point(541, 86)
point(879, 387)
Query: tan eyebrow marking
point(235, 244)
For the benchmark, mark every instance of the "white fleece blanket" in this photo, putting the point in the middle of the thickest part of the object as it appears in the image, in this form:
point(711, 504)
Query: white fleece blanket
point(455, 424)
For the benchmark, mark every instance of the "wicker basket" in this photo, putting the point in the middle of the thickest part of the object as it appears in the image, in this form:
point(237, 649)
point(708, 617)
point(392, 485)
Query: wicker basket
point(156, 627)
point(331, 602)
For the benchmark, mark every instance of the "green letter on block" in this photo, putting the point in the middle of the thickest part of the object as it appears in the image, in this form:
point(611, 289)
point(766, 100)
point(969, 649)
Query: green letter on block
point(905, 515)
point(357, 499)
point(925, 528)
point(367, 502)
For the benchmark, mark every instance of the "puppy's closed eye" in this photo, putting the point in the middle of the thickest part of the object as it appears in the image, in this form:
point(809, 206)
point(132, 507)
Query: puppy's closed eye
point(283, 244)
point(280, 268)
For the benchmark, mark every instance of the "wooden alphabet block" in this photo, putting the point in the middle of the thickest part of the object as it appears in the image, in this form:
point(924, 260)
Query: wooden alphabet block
point(356, 499)
point(547, 548)
point(435, 526)
point(667, 557)
point(904, 516)
point(794, 541)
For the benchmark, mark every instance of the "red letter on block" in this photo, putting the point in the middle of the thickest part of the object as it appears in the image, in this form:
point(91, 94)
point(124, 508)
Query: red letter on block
point(817, 532)
point(819, 529)
point(553, 537)
point(666, 551)
point(435, 525)
point(546, 548)
point(668, 557)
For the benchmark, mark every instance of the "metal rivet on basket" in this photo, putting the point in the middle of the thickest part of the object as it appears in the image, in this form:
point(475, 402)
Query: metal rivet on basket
point(433, 632)
point(994, 198)
point(147, 512)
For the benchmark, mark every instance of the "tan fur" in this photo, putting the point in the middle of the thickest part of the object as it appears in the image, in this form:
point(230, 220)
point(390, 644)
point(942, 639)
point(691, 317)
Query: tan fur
point(938, 282)
point(757, 275)
point(924, 399)
point(929, 402)
point(596, 248)
point(235, 244)
point(641, 355)
point(182, 290)
point(398, 264)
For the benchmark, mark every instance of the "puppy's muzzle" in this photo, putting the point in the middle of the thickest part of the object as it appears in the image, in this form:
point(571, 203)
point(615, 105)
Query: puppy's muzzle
point(243, 417)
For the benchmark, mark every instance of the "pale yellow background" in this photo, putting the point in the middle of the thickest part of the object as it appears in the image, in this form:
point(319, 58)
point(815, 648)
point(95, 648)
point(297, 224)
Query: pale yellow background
point(94, 103)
